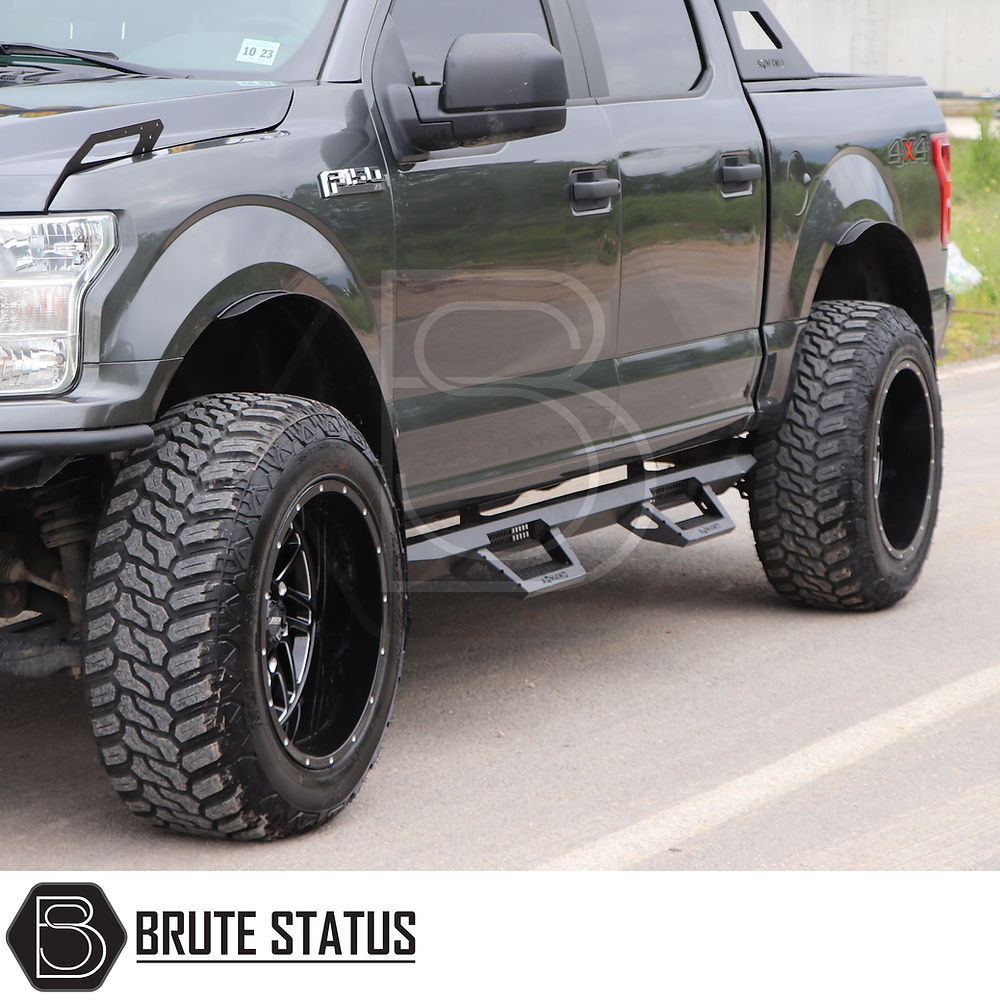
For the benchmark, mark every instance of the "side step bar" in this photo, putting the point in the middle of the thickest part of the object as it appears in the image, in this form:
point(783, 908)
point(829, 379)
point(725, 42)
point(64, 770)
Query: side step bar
point(638, 504)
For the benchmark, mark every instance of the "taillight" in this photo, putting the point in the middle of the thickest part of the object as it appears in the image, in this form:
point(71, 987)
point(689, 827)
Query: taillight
point(942, 167)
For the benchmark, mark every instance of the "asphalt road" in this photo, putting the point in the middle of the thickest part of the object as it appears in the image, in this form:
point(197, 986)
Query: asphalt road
point(672, 714)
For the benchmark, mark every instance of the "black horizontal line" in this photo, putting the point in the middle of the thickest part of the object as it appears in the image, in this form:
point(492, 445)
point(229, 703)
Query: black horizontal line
point(275, 961)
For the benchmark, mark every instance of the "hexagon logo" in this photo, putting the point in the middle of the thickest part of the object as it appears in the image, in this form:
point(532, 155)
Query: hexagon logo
point(66, 937)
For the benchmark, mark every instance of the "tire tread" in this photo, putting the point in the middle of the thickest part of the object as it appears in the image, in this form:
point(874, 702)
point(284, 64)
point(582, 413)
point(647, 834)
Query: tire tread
point(807, 507)
point(164, 703)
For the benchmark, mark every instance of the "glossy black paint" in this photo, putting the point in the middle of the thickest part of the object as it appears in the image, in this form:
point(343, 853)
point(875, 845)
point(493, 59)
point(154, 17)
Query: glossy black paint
point(830, 184)
point(43, 125)
point(518, 336)
point(693, 267)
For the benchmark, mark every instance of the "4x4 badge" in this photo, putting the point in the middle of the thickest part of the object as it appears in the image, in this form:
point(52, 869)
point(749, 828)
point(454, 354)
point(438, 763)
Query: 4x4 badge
point(354, 180)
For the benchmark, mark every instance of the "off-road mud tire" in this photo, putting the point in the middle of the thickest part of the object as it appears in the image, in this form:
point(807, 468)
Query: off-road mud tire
point(178, 625)
point(844, 497)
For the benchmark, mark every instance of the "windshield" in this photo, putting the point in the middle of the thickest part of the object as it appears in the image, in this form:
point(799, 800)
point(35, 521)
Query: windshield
point(237, 39)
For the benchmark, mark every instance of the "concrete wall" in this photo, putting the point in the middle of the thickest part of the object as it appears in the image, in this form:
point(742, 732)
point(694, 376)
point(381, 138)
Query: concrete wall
point(954, 44)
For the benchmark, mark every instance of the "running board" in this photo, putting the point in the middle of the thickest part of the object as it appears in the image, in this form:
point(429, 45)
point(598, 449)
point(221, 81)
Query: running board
point(487, 542)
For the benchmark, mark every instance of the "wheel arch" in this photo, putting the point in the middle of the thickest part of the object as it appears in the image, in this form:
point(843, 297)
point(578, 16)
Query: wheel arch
point(293, 344)
point(853, 243)
point(256, 295)
point(877, 262)
point(219, 261)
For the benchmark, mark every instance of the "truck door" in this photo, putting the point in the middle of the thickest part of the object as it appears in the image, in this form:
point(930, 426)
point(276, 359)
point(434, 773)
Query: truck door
point(505, 296)
point(691, 159)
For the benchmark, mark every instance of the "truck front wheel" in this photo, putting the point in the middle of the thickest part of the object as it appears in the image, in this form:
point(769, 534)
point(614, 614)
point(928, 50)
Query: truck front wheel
point(245, 618)
point(845, 494)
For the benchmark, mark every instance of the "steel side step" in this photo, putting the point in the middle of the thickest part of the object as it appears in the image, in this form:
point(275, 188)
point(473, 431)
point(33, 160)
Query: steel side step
point(561, 569)
point(712, 521)
point(486, 542)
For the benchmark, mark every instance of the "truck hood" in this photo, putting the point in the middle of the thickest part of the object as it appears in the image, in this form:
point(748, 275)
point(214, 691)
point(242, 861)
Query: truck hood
point(42, 127)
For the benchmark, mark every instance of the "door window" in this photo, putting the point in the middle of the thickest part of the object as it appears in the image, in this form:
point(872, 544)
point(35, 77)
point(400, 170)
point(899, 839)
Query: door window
point(650, 51)
point(427, 28)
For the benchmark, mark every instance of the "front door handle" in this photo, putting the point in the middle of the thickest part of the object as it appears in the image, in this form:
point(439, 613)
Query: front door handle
point(592, 191)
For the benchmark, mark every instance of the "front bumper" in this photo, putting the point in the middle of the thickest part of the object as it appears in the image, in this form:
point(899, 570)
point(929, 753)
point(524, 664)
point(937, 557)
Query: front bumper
point(110, 409)
point(22, 449)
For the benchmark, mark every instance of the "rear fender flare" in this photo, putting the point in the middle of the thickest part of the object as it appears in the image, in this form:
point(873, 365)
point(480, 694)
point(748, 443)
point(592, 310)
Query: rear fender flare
point(851, 196)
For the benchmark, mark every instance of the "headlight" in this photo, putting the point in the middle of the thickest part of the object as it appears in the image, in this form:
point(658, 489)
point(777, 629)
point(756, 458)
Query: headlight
point(46, 264)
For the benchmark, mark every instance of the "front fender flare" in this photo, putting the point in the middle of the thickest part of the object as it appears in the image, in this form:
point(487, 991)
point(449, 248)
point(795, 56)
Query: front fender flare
point(225, 256)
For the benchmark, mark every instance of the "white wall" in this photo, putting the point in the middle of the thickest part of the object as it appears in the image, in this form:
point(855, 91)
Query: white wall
point(954, 44)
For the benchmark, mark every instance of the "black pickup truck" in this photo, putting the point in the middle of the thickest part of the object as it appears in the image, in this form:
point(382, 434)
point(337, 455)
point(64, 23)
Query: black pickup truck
point(304, 305)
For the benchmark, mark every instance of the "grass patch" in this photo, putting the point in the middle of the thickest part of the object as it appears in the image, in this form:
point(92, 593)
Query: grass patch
point(974, 331)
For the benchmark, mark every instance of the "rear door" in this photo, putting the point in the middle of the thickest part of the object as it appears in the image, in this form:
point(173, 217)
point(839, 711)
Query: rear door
point(505, 296)
point(694, 200)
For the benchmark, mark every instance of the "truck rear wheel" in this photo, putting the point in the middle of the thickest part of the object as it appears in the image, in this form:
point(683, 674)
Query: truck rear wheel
point(844, 498)
point(245, 618)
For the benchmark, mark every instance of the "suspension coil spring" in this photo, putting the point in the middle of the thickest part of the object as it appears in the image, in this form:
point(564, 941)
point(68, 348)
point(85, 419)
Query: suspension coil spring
point(67, 508)
point(11, 568)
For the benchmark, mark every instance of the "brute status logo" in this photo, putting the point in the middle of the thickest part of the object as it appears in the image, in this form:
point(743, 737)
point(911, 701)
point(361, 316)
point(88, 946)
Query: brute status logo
point(66, 937)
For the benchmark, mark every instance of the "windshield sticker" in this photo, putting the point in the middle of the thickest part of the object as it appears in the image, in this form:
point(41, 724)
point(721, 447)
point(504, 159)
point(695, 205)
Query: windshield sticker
point(253, 50)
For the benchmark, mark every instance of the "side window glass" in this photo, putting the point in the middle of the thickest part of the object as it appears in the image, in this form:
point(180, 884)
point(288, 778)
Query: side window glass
point(427, 28)
point(652, 51)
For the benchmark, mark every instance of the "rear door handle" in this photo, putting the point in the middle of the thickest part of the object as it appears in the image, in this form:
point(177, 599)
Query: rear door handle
point(743, 173)
point(596, 190)
point(738, 174)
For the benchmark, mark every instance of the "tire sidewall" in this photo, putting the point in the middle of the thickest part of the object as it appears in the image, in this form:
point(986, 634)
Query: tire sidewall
point(308, 789)
point(901, 572)
point(814, 508)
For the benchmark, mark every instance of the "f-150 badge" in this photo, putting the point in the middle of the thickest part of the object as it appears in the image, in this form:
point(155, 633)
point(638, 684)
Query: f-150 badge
point(354, 180)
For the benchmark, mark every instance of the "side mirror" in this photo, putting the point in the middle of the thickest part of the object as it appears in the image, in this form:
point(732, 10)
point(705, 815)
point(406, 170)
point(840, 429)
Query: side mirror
point(496, 88)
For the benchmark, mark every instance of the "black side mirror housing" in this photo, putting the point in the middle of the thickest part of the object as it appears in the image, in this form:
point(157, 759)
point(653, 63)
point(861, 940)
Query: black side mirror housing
point(496, 88)
point(503, 72)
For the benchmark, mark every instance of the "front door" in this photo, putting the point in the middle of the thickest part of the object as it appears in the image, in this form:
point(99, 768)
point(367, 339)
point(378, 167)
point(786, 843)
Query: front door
point(505, 296)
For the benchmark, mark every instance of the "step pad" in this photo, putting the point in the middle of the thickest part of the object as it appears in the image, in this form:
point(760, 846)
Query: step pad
point(711, 522)
point(561, 569)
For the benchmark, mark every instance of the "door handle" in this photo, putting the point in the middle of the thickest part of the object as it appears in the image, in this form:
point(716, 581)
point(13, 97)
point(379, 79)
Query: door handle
point(737, 174)
point(591, 191)
point(596, 190)
point(742, 173)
